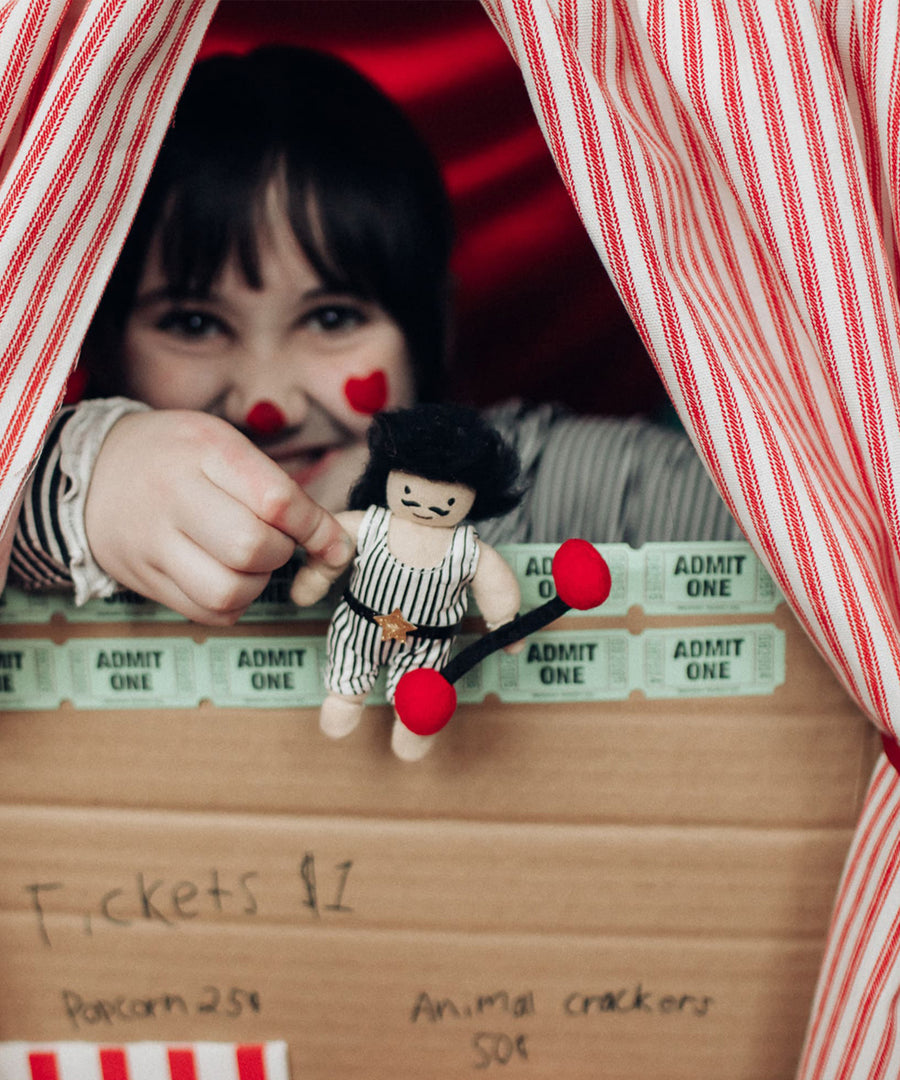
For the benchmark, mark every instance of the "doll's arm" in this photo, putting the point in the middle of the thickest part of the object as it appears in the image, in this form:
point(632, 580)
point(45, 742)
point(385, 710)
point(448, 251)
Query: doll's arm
point(315, 578)
point(495, 588)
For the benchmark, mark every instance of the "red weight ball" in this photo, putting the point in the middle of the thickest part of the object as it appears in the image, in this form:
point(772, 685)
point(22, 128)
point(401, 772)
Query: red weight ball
point(581, 575)
point(424, 700)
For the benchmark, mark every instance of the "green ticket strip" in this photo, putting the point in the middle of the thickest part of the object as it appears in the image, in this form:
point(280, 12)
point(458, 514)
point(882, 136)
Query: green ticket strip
point(663, 579)
point(285, 672)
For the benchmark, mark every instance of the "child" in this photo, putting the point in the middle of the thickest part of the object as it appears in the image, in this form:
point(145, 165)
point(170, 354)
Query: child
point(286, 278)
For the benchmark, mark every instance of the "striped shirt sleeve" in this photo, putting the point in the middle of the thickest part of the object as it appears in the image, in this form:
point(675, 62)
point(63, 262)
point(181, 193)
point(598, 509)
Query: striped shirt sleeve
point(40, 555)
point(50, 546)
point(607, 480)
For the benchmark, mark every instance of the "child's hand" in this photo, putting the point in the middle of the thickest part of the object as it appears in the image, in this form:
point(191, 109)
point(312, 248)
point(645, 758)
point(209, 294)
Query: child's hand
point(185, 510)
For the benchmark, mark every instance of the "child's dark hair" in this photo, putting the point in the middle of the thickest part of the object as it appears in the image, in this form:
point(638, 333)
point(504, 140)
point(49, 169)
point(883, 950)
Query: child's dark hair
point(364, 197)
point(445, 443)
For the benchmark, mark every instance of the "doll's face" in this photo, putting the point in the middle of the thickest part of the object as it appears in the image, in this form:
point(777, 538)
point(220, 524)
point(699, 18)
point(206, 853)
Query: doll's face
point(297, 368)
point(428, 502)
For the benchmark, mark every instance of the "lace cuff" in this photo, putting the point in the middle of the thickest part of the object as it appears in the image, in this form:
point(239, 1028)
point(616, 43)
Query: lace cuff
point(80, 444)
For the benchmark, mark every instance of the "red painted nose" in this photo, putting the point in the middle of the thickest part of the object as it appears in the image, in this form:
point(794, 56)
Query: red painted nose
point(265, 418)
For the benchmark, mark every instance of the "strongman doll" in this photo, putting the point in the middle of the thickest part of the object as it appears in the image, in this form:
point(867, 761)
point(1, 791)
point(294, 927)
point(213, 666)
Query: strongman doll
point(433, 469)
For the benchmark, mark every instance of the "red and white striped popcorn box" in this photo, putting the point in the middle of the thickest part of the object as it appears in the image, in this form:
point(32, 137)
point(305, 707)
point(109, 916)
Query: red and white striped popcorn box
point(143, 1061)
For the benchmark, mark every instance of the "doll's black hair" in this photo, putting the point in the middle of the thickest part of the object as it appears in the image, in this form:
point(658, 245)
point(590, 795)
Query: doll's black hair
point(445, 443)
point(364, 197)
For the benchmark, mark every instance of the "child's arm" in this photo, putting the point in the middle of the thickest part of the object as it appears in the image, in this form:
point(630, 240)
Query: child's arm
point(495, 588)
point(185, 510)
point(315, 578)
point(6, 544)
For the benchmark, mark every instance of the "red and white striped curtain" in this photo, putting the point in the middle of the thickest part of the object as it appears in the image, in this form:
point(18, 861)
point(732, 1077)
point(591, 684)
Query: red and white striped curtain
point(87, 88)
point(737, 165)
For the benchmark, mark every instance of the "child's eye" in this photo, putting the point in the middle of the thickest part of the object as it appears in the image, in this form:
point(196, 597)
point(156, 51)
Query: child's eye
point(191, 324)
point(335, 317)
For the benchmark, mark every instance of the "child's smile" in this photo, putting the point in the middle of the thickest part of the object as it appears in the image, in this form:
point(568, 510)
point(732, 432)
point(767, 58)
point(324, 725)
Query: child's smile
point(297, 368)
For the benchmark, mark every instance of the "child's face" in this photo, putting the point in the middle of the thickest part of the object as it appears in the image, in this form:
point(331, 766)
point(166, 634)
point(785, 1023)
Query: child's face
point(325, 361)
point(428, 502)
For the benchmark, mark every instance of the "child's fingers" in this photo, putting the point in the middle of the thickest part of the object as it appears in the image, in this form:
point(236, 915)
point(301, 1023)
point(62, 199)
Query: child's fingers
point(246, 474)
point(324, 536)
point(157, 585)
point(198, 586)
point(163, 590)
point(231, 533)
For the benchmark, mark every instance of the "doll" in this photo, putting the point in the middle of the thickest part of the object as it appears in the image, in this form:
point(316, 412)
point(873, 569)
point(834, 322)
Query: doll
point(432, 470)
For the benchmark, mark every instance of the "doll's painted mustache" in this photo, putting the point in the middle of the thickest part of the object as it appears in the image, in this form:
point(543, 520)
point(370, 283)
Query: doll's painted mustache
point(433, 509)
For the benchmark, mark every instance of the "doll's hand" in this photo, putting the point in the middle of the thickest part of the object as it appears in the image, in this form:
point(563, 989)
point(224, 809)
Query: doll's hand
point(310, 585)
point(318, 575)
point(185, 510)
point(513, 647)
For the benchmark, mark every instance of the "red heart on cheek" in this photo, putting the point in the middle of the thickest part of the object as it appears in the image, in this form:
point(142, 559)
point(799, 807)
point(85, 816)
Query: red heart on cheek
point(367, 395)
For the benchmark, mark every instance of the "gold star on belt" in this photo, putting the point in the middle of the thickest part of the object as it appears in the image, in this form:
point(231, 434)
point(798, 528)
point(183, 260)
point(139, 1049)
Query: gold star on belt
point(394, 627)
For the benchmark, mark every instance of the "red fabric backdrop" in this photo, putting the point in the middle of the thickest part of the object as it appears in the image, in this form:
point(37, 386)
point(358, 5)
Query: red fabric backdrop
point(537, 315)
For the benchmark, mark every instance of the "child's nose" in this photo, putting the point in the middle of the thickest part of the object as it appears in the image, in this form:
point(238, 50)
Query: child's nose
point(265, 418)
point(267, 399)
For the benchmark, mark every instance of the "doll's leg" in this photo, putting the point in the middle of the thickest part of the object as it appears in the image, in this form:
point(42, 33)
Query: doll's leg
point(405, 743)
point(340, 715)
point(350, 674)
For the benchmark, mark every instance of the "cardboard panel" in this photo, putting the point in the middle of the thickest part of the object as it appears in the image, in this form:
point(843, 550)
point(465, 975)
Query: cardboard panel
point(629, 888)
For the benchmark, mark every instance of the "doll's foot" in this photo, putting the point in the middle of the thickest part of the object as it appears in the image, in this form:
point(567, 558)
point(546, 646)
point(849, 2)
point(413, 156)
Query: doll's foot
point(406, 744)
point(339, 716)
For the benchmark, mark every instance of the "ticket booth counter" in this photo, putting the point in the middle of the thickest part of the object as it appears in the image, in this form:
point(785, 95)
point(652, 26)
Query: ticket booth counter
point(619, 857)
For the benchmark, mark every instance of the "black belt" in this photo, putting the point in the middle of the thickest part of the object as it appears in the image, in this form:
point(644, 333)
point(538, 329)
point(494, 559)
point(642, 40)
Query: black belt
point(440, 633)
